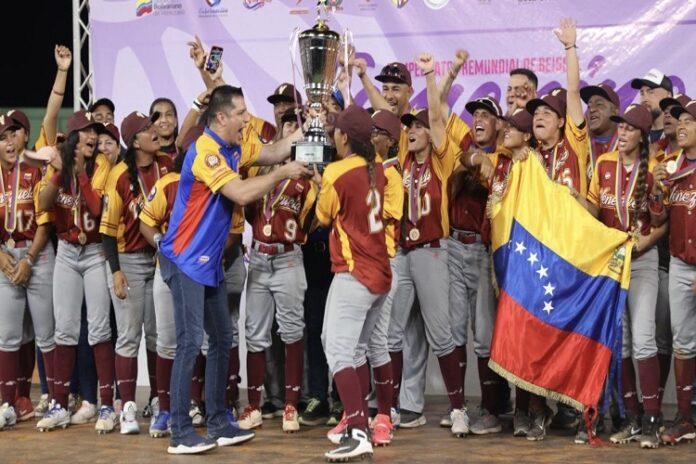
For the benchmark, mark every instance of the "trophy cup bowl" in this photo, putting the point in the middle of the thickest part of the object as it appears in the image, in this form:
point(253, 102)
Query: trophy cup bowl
point(319, 48)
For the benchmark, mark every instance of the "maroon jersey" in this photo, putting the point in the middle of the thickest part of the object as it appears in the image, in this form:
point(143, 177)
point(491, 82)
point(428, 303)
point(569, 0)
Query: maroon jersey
point(20, 185)
point(682, 216)
point(566, 163)
point(468, 202)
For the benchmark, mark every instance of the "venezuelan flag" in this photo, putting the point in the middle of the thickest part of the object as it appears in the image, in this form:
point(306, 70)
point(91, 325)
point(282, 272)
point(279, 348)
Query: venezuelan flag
point(562, 278)
point(143, 7)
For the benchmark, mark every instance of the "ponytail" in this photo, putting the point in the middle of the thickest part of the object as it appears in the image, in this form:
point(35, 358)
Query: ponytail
point(366, 151)
point(641, 182)
point(129, 159)
point(67, 155)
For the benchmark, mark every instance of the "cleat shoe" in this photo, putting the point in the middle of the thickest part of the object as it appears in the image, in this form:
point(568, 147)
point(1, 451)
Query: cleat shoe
point(651, 429)
point(566, 418)
point(56, 417)
point(152, 408)
point(630, 431)
point(334, 435)
point(268, 410)
point(191, 445)
point(680, 429)
point(232, 436)
point(232, 416)
point(161, 425)
point(73, 401)
point(539, 424)
point(581, 435)
point(42, 407)
point(382, 430)
point(86, 413)
point(129, 424)
point(106, 420)
point(355, 443)
point(521, 423)
point(23, 408)
point(250, 418)
point(290, 422)
point(335, 413)
point(196, 414)
point(446, 420)
point(8, 417)
point(411, 419)
point(316, 413)
point(395, 416)
point(460, 422)
point(485, 423)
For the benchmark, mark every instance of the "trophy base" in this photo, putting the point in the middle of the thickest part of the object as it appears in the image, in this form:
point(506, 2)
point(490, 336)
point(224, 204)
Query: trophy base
point(313, 153)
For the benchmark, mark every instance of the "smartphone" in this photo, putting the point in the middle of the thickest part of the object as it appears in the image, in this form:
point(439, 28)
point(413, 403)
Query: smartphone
point(214, 59)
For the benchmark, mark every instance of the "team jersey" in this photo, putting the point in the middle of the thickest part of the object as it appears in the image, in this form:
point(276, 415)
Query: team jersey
point(71, 211)
point(202, 217)
point(357, 241)
point(456, 129)
point(259, 129)
point(160, 202)
point(122, 203)
point(20, 186)
point(393, 203)
point(426, 216)
point(566, 163)
point(43, 141)
point(603, 193)
point(681, 201)
point(238, 220)
point(663, 149)
point(598, 146)
point(279, 216)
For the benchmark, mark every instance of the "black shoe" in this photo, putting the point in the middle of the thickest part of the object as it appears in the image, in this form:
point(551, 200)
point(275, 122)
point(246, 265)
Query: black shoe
point(581, 435)
point(315, 413)
point(335, 414)
point(372, 412)
point(411, 419)
point(566, 418)
point(629, 431)
point(268, 410)
point(540, 422)
point(650, 437)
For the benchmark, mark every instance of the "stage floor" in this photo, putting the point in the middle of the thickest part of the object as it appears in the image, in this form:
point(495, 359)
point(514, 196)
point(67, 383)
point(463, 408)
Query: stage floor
point(427, 444)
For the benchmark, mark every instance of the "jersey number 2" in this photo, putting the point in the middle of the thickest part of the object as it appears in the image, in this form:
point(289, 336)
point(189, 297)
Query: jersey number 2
point(374, 218)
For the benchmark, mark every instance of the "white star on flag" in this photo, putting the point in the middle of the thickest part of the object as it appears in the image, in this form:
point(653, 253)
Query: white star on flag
point(532, 258)
point(548, 289)
point(542, 272)
point(519, 247)
point(548, 307)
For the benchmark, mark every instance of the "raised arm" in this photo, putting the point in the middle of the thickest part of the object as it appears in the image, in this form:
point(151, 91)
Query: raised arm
point(377, 101)
point(426, 63)
point(55, 100)
point(567, 35)
point(460, 58)
point(194, 113)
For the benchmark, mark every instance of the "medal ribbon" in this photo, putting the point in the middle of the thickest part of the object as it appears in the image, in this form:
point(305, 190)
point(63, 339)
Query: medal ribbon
point(11, 203)
point(687, 171)
point(551, 168)
point(75, 191)
point(414, 203)
point(141, 180)
point(271, 199)
point(622, 201)
point(611, 146)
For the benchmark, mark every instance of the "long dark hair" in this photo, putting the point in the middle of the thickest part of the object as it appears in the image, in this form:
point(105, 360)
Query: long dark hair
point(641, 182)
point(366, 151)
point(170, 103)
point(67, 155)
point(129, 159)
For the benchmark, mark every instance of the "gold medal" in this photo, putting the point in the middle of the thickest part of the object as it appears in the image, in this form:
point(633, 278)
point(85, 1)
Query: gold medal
point(82, 238)
point(267, 229)
point(10, 243)
point(671, 167)
point(414, 234)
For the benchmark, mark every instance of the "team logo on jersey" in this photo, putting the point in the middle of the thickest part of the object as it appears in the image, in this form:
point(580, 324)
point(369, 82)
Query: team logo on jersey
point(686, 198)
point(203, 259)
point(27, 176)
point(607, 175)
point(212, 161)
point(151, 195)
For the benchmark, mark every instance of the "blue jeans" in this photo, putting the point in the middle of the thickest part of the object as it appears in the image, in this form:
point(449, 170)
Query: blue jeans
point(198, 307)
point(84, 378)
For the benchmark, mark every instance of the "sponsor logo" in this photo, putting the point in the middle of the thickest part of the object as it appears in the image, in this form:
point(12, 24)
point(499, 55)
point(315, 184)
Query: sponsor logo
point(436, 4)
point(212, 161)
point(399, 3)
point(213, 3)
point(212, 8)
point(143, 7)
point(203, 259)
point(254, 4)
point(158, 7)
point(368, 5)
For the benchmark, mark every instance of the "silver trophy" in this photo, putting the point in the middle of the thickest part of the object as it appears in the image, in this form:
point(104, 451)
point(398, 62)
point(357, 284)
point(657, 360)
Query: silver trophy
point(319, 48)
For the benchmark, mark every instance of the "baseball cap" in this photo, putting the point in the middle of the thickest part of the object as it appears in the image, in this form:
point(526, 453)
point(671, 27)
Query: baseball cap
point(554, 102)
point(291, 116)
point(82, 120)
point(679, 99)
point(489, 104)
point(103, 102)
point(134, 123)
point(387, 121)
point(637, 116)
point(653, 79)
point(285, 93)
point(338, 96)
point(356, 123)
point(601, 90)
point(395, 72)
point(521, 120)
point(112, 130)
point(6, 123)
point(420, 114)
point(688, 108)
point(20, 119)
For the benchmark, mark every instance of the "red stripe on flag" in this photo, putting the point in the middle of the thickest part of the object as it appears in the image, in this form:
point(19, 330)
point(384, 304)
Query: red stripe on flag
point(538, 353)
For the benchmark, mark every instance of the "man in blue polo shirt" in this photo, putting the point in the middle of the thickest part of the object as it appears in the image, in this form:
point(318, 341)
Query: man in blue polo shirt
point(191, 258)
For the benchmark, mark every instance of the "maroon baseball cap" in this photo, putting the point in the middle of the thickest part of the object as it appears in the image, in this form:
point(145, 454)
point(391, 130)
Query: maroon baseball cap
point(6, 123)
point(285, 93)
point(601, 90)
point(112, 130)
point(521, 120)
point(653, 79)
point(638, 116)
point(395, 72)
point(134, 123)
point(688, 108)
point(420, 114)
point(290, 116)
point(103, 102)
point(555, 102)
point(679, 100)
point(81, 120)
point(387, 121)
point(356, 123)
point(489, 104)
point(20, 119)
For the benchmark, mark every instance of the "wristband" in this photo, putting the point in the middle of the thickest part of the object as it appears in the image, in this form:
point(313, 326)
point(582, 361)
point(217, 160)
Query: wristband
point(197, 105)
point(58, 93)
point(29, 259)
point(429, 72)
point(571, 46)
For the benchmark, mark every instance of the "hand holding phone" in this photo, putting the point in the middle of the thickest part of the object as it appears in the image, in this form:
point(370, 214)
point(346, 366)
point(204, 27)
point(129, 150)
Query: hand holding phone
point(214, 59)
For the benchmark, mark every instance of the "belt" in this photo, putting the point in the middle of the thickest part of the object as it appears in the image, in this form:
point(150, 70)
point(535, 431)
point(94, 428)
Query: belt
point(433, 244)
point(466, 237)
point(271, 248)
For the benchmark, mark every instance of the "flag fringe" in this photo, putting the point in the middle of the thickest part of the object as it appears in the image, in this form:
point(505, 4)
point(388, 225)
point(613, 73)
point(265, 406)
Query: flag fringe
point(530, 387)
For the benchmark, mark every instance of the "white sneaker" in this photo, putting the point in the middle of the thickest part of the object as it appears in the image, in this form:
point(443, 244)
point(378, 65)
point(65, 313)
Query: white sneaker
point(446, 420)
point(8, 417)
point(460, 422)
point(42, 407)
point(354, 443)
point(56, 417)
point(129, 424)
point(250, 418)
point(86, 413)
point(196, 415)
point(106, 421)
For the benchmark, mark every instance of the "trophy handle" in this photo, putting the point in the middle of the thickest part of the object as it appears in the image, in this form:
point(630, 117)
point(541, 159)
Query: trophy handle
point(294, 44)
point(347, 42)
